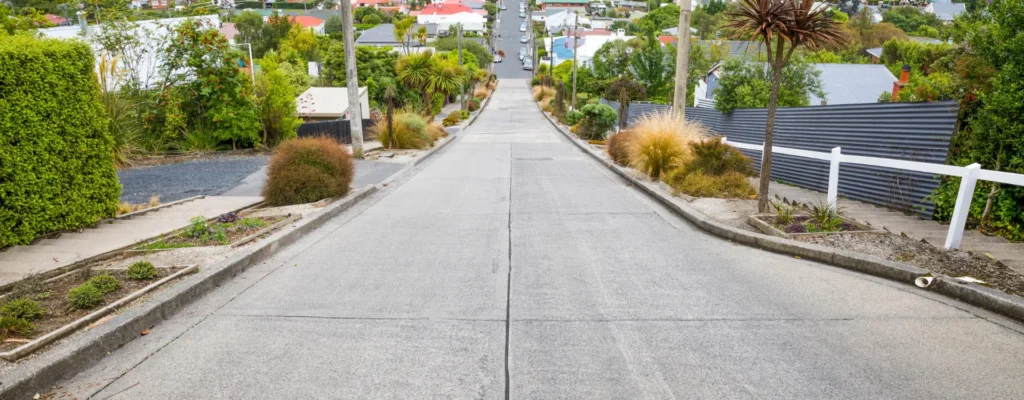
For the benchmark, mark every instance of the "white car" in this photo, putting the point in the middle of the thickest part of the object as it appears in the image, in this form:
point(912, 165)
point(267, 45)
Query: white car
point(497, 58)
point(522, 27)
point(503, 7)
point(524, 39)
point(528, 64)
point(522, 53)
point(522, 14)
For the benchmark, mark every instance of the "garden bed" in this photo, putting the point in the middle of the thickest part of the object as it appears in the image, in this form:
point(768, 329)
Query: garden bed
point(803, 225)
point(53, 316)
point(221, 231)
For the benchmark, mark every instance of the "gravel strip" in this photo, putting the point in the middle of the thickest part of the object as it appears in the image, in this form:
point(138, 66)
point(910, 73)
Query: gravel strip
point(208, 176)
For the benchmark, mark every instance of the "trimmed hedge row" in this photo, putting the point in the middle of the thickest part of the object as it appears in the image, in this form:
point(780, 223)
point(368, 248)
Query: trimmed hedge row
point(56, 166)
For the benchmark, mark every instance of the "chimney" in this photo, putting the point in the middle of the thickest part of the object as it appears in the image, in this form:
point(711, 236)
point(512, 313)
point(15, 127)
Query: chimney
point(897, 86)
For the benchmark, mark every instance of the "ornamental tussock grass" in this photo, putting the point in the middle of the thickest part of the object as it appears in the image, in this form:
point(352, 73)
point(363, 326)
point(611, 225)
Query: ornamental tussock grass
point(618, 146)
point(410, 132)
point(543, 94)
point(662, 143)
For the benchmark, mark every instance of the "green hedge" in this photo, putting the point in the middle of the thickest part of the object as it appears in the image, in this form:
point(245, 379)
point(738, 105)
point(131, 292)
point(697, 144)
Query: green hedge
point(56, 166)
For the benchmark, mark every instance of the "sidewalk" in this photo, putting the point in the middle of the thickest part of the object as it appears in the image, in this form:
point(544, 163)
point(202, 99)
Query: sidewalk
point(46, 255)
point(931, 232)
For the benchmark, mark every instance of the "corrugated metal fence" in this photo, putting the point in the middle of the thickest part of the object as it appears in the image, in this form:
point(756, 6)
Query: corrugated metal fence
point(338, 129)
point(905, 131)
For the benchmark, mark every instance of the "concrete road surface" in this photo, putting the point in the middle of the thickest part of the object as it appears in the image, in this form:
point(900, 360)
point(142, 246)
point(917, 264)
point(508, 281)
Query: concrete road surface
point(511, 266)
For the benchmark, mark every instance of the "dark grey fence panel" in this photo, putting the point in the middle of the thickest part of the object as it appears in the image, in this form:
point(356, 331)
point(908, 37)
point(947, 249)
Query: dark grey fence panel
point(905, 131)
point(338, 129)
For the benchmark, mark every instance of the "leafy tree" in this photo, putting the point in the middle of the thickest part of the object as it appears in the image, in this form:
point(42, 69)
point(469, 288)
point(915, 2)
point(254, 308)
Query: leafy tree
point(714, 7)
point(414, 71)
point(652, 67)
point(658, 19)
point(612, 59)
point(706, 24)
point(483, 55)
point(263, 36)
point(403, 33)
point(275, 98)
point(909, 19)
point(201, 70)
point(788, 24)
point(747, 84)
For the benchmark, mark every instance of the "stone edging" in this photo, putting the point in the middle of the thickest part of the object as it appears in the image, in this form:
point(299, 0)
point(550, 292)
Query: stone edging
point(977, 295)
point(79, 352)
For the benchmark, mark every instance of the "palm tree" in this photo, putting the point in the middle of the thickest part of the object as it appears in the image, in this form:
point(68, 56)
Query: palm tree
point(414, 71)
point(790, 24)
point(446, 77)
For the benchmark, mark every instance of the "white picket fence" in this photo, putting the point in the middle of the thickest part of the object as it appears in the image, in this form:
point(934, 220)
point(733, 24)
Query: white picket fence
point(969, 178)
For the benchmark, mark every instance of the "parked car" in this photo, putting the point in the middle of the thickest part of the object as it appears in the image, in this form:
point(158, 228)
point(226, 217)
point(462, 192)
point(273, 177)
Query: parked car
point(522, 27)
point(522, 14)
point(522, 53)
point(497, 58)
point(524, 39)
point(528, 64)
point(503, 7)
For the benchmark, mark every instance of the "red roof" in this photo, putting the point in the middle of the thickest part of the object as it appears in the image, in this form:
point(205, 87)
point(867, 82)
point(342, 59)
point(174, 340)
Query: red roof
point(595, 32)
point(444, 9)
point(306, 21)
point(667, 39)
point(56, 19)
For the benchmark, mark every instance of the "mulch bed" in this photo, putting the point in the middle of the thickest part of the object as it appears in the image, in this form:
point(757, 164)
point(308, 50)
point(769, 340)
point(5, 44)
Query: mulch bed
point(52, 297)
point(923, 255)
point(804, 224)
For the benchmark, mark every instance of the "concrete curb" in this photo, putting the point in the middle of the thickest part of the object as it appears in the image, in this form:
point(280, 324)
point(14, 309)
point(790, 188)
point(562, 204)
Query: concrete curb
point(79, 352)
point(977, 295)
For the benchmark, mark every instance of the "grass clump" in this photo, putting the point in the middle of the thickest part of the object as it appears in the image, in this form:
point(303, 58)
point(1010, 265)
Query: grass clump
point(661, 143)
point(825, 217)
point(305, 170)
point(472, 104)
point(783, 213)
point(411, 131)
point(543, 94)
point(481, 93)
point(142, 271)
point(713, 157)
point(699, 184)
point(105, 283)
point(23, 308)
point(618, 146)
point(453, 118)
point(84, 297)
point(11, 325)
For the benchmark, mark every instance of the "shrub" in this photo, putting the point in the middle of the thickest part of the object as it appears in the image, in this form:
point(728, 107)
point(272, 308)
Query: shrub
point(436, 131)
point(573, 117)
point(596, 121)
point(142, 270)
point(56, 157)
point(661, 143)
point(472, 104)
point(463, 114)
point(727, 185)
point(481, 93)
point(410, 132)
point(104, 283)
point(84, 297)
point(618, 146)
point(542, 94)
point(713, 157)
point(9, 325)
point(197, 228)
point(23, 308)
point(306, 170)
point(453, 118)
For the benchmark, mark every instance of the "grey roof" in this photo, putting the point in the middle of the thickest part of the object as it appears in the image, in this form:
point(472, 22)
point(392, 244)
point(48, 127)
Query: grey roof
point(875, 51)
point(548, 12)
point(853, 83)
point(476, 5)
point(384, 35)
point(946, 11)
point(737, 48)
point(675, 31)
point(632, 4)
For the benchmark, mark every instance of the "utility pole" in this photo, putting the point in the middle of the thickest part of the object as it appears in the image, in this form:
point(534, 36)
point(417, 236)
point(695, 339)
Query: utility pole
point(551, 56)
point(575, 40)
point(462, 89)
point(355, 115)
point(533, 40)
point(682, 57)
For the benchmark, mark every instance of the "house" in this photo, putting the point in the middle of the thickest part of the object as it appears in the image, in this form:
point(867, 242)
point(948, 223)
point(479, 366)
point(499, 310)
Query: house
point(675, 31)
point(542, 15)
point(580, 5)
point(564, 47)
point(842, 83)
point(328, 103)
point(229, 31)
point(732, 48)
point(434, 13)
point(564, 19)
point(150, 32)
point(945, 11)
point(374, 3)
point(601, 22)
point(383, 35)
point(470, 22)
point(632, 5)
point(57, 20)
point(309, 22)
